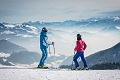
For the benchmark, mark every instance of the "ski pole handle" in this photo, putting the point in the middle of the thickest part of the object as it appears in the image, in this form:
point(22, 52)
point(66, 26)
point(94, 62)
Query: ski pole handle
point(52, 43)
point(74, 52)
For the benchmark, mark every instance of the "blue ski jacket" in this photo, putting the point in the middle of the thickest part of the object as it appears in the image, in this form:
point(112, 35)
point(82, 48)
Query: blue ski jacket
point(44, 43)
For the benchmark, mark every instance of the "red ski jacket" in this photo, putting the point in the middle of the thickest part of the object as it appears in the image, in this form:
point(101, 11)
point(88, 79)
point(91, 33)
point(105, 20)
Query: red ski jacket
point(80, 46)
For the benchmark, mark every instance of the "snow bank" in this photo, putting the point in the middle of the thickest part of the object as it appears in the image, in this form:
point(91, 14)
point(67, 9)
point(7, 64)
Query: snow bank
point(42, 74)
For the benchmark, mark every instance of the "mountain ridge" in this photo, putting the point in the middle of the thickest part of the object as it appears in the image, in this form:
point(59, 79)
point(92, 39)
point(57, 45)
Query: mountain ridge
point(109, 55)
point(8, 47)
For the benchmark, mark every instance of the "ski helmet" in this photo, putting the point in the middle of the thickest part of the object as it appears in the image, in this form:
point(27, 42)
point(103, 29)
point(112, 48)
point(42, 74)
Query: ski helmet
point(44, 29)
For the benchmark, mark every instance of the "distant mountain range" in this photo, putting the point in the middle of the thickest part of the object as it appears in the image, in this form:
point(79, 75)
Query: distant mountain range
point(110, 55)
point(26, 35)
point(28, 32)
point(110, 29)
point(24, 57)
point(105, 56)
point(34, 27)
point(31, 29)
point(20, 55)
point(8, 47)
point(85, 22)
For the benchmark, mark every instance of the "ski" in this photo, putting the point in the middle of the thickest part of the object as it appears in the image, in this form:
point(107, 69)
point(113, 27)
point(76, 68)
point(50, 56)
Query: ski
point(43, 68)
point(80, 69)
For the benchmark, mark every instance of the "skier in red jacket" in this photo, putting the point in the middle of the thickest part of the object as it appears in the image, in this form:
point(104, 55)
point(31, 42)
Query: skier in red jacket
point(80, 47)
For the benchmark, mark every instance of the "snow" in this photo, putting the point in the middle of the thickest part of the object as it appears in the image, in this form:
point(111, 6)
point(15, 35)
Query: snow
point(24, 73)
point(50, 55)
point(116, 18)
point(24, 35)
point(9, 25)
point(2, 54)
point(118, 27)
point(33, 29)
point(7, 32)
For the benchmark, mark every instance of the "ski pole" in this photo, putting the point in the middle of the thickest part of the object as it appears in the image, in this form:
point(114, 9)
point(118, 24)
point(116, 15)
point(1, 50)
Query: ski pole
point(72, 61)
point(50, 56)
point(54, 49)
point(72, 65)
point(54, 54)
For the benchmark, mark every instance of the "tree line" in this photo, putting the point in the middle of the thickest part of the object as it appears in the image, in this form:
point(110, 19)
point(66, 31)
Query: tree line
point(102, 66)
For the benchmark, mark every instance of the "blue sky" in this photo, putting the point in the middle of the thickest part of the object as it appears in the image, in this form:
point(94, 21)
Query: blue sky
point(17, 11)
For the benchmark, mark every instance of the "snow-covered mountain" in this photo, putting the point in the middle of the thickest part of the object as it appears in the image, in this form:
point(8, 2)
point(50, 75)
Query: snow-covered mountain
point(18, 29)
point(110, 29)
point(84, 22)
point(94, 31)
point(32, 29)
point(16, 54)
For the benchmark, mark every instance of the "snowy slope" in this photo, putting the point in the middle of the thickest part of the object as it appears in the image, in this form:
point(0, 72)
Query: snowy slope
point(12, 73)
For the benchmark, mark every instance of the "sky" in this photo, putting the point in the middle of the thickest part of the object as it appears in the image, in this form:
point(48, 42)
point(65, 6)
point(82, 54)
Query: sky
point(18, 11)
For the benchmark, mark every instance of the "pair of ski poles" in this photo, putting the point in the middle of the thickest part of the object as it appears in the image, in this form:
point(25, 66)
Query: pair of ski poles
point(54, 56)
point(50, 53)
point(53, 48)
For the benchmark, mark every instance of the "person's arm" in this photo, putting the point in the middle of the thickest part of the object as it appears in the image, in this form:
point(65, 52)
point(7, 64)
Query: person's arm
point(47, 41)
point(85, 46)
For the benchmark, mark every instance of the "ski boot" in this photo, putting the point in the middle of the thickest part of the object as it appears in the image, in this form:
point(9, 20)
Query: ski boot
point(86, 68)
point(77, 68)
point(42, 67)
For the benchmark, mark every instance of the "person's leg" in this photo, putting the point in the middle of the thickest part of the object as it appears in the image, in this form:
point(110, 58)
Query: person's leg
point(44, 57)
point(75, 59)
point(83, 59)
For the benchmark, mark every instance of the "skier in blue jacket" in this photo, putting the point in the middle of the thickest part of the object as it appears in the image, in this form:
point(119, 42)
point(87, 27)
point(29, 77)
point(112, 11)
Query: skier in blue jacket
point(44, 44)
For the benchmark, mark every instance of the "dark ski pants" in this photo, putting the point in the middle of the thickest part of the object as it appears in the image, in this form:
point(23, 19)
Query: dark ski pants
point(44, 56)
point(76, 56)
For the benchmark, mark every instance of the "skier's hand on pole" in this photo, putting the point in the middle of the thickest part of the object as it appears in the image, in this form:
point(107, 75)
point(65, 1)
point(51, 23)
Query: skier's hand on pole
point(52, 43)
point(74, 52)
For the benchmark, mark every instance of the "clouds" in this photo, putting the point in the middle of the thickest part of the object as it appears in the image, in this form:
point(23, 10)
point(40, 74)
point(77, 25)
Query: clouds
point(115, 13)
point(54, 10)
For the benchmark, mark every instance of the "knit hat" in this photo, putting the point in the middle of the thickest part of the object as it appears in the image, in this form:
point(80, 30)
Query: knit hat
point(79, 37)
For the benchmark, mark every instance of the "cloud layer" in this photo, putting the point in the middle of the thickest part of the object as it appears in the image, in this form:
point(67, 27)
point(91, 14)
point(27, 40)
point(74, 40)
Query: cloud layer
point(55, 10)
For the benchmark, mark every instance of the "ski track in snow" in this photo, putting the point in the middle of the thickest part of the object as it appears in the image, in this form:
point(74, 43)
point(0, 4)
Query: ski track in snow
point(53, 74)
